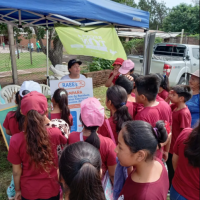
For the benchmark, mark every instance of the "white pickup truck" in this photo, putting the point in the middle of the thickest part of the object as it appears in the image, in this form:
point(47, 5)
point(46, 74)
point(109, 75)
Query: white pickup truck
point(173, 60)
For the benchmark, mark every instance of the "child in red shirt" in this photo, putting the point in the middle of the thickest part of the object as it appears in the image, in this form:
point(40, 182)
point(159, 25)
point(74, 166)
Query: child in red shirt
point(33, 153)
point(14, 120)
point(60, 107)
point(181, 117)
point(115, 74)
point(137, 144)
point(127, 84)
point(92, 116)
point(164, 87)
point(186, 163)
point(146, 90)
point(116, 99)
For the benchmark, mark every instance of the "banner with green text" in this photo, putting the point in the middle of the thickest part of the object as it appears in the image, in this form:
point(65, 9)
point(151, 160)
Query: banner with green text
point(88, 41)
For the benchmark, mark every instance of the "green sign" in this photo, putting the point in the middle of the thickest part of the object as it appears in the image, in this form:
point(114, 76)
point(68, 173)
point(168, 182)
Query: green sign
point(88, 41)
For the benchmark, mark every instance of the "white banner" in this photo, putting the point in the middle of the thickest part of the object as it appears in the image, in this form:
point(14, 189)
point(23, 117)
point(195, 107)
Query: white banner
point(78, 90)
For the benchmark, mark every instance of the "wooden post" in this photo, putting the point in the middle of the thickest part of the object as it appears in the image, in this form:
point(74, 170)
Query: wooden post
point(12, 54)
point(181, 40)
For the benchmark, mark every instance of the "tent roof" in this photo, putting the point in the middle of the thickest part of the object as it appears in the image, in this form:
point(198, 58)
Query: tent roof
point(71, 12)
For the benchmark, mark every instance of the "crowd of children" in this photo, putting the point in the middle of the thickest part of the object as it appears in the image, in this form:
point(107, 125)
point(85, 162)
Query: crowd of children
point(121, 156)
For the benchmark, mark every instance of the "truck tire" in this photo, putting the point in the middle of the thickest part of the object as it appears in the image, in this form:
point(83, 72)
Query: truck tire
point(182, 81)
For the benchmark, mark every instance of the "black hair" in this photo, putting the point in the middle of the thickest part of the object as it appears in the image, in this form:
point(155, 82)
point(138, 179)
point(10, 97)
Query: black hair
point(183, 91)
point(148, 86)
point(124, 82)
point(60, 96)
point(135, 76)
point(164, 81)
point(93, 139)
point(118, 97)
point(19, 117)
point(131, 71)
point(192, 148)
point(79, 167)
point(140, 135)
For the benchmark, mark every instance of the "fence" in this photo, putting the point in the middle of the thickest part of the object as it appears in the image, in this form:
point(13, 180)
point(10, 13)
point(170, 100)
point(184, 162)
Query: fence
point(31, 61)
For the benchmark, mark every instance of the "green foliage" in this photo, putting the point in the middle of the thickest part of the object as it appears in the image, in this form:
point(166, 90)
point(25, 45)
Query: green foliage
point(158, 40)
point(130, 3)
point(99, 64)
point(158, 11)
point(181, 17)
point(132, 45)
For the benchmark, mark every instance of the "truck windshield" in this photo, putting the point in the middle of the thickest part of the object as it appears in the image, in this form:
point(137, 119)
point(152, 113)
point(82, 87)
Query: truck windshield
point(170, 50)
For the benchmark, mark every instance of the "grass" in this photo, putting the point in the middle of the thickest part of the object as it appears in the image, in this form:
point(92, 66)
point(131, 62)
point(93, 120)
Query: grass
point(24, 62)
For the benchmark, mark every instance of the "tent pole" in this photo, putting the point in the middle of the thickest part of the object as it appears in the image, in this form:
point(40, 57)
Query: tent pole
point(12, 54)
point(47, 49)
point(145, 52)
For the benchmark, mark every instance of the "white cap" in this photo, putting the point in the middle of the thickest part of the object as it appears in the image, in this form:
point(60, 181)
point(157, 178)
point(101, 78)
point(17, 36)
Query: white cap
point(30, 86)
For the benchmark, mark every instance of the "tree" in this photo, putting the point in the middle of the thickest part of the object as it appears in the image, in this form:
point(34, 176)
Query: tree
point(130, 3)
point(55, 45)
point(195, 2)
point(181, 17)
point(158, 11)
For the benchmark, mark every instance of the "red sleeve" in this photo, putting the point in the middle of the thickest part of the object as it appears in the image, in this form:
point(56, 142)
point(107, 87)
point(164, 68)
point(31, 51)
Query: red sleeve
point(13, 153)
point(57, 136)
point(178, 142)
point(103, 130)
point(111, 158)
point(110, 75)
point(6, 121)
point(185, 120)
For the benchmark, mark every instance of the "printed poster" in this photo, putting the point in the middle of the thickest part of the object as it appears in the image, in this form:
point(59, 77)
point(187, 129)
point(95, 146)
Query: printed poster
point(78, 90)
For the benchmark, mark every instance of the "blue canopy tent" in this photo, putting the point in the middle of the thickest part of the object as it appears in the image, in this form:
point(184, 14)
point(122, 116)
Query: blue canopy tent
point(79, 13)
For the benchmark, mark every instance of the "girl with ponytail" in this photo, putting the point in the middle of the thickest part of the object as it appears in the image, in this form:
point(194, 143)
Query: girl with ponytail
point(137, 144)
point(60, 107)
point(92, 117)
point(116, 99)
point(80, 172)
point(33, 152)
point(14, 120)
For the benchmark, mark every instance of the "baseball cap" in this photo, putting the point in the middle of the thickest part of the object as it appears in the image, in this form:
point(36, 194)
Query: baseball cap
point(72, 62)
point(196, 73)
point(34, 101)
point(118, 61)
point(92, 112)
point(127, 65)
point(29, 86)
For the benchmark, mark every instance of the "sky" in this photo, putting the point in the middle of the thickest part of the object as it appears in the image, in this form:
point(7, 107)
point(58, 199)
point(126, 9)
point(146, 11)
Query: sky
point(172, 3)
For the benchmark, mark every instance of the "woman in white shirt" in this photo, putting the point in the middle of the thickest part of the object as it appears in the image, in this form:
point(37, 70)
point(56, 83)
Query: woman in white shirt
point(74, 69)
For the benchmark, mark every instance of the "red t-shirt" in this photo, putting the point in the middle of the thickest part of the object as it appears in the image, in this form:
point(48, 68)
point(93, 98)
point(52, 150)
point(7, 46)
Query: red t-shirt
point(36, 183)
point(58, 116)
point(10, 123)
point(134, 108)
point(181, 119)
point(186, 177)
point(153, 114)
point(158, 98)
point(115, 78)
point(164, 94)
point(103, 130)
point(107, 147)
point(146, 191)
